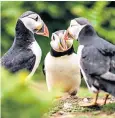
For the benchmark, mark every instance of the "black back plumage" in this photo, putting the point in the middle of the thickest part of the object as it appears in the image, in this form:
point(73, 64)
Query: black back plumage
point(98, 58)
point(19, 56)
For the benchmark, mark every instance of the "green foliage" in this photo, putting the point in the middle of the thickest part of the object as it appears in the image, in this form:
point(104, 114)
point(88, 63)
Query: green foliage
point(21, 99)
point(109, 108)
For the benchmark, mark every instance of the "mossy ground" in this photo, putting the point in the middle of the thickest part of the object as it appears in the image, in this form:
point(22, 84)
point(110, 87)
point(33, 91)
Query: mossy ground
point(69, 107)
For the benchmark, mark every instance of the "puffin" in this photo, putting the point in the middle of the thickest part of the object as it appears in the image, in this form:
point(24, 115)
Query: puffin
point(96, 58)
point(61, 70)
point(25, 52)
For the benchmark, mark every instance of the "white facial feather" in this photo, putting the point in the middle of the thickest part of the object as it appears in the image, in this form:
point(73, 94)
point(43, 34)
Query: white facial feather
point(55, 43)
point(30, 23)
point(59, 44)
point(75, 28)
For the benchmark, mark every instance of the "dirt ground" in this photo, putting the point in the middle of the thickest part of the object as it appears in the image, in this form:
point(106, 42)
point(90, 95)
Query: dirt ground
point(70, 108)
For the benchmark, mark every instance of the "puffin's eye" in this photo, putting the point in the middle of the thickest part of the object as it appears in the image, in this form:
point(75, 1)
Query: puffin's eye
point(36, 18)
point(72, 25)
point(53, 38)
point(69, 35)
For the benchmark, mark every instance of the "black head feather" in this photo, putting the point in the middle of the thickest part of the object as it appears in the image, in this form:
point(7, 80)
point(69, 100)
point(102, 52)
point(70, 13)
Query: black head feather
point(88, 30)
point(60, 31)
point(82, 21)
point(27, 13)
point(87, 35)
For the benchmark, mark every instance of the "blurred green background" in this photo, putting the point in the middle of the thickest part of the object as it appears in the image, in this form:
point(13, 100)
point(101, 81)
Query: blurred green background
point(57, 16)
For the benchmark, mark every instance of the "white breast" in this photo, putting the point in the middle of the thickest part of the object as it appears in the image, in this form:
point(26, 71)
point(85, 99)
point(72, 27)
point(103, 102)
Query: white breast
point(38, 53)
point(62, 72)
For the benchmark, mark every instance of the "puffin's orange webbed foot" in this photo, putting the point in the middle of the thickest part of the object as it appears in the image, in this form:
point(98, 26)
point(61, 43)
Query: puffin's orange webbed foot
point(94, 103)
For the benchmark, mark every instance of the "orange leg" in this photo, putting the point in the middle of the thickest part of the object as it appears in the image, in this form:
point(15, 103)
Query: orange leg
point(94, 103)
point(106, 97)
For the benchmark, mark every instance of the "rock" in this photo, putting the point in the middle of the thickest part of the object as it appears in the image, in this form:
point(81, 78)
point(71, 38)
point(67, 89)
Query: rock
point(67, 106)
point(85, 100)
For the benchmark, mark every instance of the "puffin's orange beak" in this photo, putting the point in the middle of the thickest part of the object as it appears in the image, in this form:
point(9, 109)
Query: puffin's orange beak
point(43, 31)
point(46, 31)
point(66, 35)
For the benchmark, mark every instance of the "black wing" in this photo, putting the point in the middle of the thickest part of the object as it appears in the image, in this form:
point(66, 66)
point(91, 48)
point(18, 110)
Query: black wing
point(107, 49)
point(113, 64)
point(93, 62)
point(15, 60)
